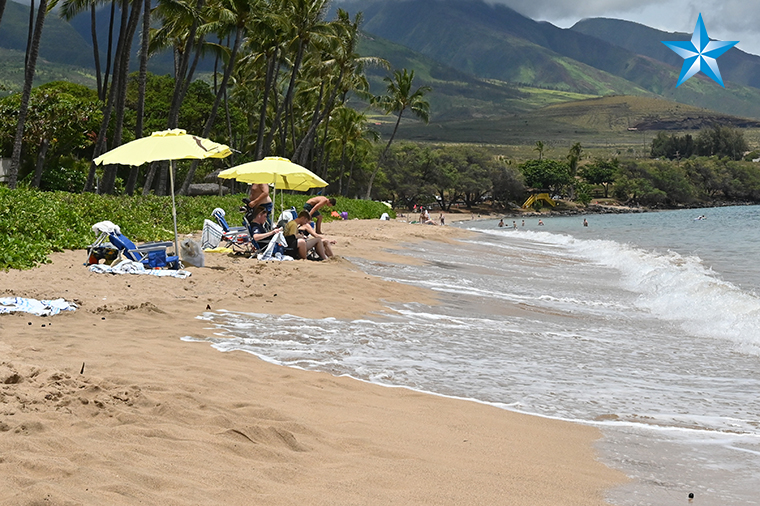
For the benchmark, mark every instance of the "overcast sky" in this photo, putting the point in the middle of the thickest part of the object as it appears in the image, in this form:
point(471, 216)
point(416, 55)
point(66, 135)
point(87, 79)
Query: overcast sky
point(724, 19)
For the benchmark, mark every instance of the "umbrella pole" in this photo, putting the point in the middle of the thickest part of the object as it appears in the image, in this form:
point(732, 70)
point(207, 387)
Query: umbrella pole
point(174, 207)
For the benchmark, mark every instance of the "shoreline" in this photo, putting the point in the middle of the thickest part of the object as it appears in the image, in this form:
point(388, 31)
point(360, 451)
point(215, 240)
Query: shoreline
point(159, 420)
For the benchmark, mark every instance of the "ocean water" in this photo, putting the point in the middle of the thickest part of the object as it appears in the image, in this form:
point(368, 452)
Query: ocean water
point(644, 325)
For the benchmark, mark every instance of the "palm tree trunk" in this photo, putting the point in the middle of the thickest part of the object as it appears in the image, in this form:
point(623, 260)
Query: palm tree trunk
point(41, 154)
point(109, 52)
point(120, 74)
point(149, 178)
point(134, 172)
point(382, 157)
point(277, 112)
point(100, 142)
point(263, 113)
point(29, 33)
point(95, 50)
point(25, 94)
point(214, 108)
point(350, 175)
point(308, 140)
point(183, 72)
point(288, 95)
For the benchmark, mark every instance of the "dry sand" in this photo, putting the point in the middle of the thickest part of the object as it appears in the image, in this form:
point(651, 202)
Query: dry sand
point(156, 420)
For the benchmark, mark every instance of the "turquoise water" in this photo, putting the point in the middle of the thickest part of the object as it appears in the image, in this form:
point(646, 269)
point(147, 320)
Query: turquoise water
point(645, 325)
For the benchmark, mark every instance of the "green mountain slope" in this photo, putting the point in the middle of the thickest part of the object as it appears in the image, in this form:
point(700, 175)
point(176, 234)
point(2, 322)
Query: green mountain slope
point(489, 42)
point(497, 42)
point(736, 66)
point(60, 42)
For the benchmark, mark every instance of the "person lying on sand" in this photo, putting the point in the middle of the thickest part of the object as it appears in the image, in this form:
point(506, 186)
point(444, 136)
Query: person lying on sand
point(299, 243)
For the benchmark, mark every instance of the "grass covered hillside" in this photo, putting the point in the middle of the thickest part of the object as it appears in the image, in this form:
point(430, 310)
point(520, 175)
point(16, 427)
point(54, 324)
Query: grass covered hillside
point(622, 121)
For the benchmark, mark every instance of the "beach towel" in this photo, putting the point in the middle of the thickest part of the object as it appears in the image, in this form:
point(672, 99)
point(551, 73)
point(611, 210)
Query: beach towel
point(106, 227)
point(34, 306)
point(130, 267)
point(275, 248)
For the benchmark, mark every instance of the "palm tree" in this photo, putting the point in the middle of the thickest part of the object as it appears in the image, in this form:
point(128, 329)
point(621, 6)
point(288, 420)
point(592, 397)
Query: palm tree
point(141, 83)
point(33, 51)
point(349, 131)
point(179, 31)
point(118, 90)
point(347, 69)
point(68, 10)
point(540, 148)
point(573, 157)
point(307, 26)
point(398, 98)
point(226, 17)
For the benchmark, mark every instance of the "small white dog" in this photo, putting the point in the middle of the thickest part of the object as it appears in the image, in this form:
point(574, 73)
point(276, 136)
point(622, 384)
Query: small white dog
point(192, 253)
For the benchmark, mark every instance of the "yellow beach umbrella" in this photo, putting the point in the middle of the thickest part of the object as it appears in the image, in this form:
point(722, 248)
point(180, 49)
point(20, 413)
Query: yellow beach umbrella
point(277, 171)
point(280, 172)
point(172, 145)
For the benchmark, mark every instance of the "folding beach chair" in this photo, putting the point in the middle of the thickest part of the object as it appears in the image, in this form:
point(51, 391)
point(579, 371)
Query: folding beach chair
point(152, 255)
point(100, 249)
point(219, 215)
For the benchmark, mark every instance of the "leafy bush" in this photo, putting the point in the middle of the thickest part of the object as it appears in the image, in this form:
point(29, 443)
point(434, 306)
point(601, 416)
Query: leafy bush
point(35, 223)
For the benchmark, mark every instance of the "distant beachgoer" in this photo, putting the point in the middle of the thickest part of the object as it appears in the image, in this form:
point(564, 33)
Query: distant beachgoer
point(585, 222)
point(523, 223)
point(501, 223)
point(442, 219)
point(540, 223)
point(514, 224)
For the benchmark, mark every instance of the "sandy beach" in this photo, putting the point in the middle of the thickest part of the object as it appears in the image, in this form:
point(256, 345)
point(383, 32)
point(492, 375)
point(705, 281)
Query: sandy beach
point(107, 405)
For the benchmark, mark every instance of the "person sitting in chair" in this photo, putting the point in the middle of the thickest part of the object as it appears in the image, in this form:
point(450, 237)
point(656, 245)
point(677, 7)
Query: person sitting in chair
point(314, 204)
point(257, 220)
point(299, 244)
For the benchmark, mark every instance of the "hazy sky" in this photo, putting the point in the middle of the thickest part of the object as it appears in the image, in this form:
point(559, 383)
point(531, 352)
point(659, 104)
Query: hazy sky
point(724, 19)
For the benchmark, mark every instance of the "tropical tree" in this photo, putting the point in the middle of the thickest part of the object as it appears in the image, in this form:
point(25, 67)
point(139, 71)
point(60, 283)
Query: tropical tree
point(721, 140)
point(601, 172)
point(573, 157)
point(60, 116)
point(546, 174)
point(398, 98)
point(540, 148)
point(33, 49)
point(350, 134)
point(306, 25)
point(226, 17)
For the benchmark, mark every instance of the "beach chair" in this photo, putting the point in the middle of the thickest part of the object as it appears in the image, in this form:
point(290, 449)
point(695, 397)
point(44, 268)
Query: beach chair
point(152, 255)
point(219, 216)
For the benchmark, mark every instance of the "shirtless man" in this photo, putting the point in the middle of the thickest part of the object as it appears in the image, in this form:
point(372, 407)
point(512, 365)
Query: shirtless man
point(314, 204)
point(259, 196)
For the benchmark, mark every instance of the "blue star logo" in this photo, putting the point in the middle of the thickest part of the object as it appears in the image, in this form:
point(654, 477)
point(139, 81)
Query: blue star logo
point(700, 54)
